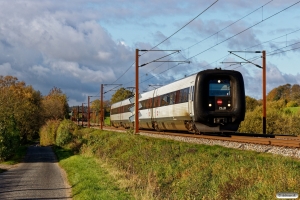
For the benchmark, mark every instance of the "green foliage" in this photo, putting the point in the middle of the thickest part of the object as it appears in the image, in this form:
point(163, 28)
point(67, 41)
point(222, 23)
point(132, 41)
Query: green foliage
point(164, 169)
point(120, 95)
point(9, 138)
point(251, 103)
point(280, 120)
point(292, 104)
point(65, 132)
point(48, 132)
point(94, 183)
point(24, 103)
point(285, 92)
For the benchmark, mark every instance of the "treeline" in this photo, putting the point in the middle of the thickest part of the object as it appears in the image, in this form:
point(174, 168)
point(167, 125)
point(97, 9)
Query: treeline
point(23, 111)
point(283, 113)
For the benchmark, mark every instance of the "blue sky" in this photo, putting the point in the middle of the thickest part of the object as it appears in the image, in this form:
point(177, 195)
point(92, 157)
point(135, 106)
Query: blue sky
point(78, 45)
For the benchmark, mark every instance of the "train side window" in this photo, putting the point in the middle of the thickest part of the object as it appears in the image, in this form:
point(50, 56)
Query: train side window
point(149, 103)
point(172, 98)
point(126, 108)
point(165, 100)
point(143, 103)
point(177, 97)
point(184, 95)
point(156, 102)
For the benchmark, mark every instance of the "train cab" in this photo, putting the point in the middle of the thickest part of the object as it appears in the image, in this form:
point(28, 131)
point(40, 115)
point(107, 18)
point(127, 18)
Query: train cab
point(221, 105)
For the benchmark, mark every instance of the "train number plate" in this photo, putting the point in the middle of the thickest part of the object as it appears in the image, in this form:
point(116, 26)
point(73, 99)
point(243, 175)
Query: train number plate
point(222, 108)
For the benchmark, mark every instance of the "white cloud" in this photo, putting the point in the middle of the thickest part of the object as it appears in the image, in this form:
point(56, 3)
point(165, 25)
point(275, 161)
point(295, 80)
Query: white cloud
point(76, 46)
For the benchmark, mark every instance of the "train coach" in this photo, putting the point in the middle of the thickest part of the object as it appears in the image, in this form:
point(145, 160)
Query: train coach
point(209, 101)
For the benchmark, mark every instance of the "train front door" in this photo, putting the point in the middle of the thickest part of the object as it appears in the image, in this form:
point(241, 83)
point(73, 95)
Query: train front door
point(191, 99)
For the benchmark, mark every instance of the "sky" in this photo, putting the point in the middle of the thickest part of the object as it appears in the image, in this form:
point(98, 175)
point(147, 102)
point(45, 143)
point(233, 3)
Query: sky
point(77, 45)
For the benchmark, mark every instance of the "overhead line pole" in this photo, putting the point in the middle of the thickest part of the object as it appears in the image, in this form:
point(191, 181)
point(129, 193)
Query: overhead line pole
point(136, 104)
point(264, 79)
point(101, 108)
point(136, 108)
point(82, 114)
point(264, 82)
point(88, 111)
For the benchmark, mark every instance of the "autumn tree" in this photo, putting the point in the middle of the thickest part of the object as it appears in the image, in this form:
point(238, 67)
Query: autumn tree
point(120, 95)
point(280, 92)
point(55, 105)
point(20, 116)
point(95, 110)
point(251, 103)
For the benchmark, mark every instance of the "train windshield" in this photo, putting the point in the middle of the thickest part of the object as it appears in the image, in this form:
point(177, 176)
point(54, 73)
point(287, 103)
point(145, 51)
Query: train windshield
point(219, 87)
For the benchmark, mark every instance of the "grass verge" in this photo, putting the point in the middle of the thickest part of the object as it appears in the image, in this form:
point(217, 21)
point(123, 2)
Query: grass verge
point(152, 168)
point(88, 179)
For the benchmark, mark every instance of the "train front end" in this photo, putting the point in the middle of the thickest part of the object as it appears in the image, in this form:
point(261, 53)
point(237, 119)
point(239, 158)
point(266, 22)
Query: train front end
point(219, 101)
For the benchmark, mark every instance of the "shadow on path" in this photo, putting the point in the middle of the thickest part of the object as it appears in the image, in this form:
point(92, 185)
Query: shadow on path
point(38, 177)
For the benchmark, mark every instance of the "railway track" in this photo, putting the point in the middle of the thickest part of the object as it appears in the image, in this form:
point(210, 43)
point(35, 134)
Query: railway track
point(277, 140)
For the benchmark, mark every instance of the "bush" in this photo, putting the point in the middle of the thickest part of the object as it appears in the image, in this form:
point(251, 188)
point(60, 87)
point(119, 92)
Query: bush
point(48, 132)
point(9, 138)
point(65, 132)
point(292, 104)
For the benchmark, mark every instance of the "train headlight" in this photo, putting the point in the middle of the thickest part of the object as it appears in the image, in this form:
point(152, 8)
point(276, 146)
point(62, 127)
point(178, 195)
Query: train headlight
point(209, 105)
point(229, 105)
point(219, 81)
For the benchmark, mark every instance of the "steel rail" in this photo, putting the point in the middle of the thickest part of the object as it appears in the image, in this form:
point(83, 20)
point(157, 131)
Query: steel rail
point(282, 141)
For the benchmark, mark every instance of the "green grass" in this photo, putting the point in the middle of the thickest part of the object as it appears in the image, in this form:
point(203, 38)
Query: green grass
point(152, 168)
point(107, 121)
point(293, 109)
point(88, 179)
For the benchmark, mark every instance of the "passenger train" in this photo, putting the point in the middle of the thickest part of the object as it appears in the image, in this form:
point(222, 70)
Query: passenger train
point(209, 101)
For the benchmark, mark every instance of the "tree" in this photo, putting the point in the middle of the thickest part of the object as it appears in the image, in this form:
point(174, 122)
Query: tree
point(251, 103)
point(55, 105)
point(295, 90)
point(281, 92)
point(20, 113)
point(120, 95)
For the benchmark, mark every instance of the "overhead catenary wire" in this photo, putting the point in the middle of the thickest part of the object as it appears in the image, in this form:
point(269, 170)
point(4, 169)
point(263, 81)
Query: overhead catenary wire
point(168, 38)
point(228, 25)
point(263, 20)
point(185, 25)
point(233, 35)
point(268, 54)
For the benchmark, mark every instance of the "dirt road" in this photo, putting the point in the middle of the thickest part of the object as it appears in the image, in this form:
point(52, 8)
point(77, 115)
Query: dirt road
point(38, 177)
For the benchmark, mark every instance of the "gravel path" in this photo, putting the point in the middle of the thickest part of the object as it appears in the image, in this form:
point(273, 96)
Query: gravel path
point(290, 152)
point(38, 177)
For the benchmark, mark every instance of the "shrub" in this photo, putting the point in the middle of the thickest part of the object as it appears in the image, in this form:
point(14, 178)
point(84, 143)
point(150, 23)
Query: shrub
point(292, 104)
point(9, 138)
point(48, 132)
point(65, 132)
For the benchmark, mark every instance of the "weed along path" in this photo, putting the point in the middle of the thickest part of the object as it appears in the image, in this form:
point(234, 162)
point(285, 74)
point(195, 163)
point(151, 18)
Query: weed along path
point(38, 177)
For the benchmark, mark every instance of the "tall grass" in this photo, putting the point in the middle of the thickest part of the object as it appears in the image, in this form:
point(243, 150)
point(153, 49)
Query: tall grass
point(165, 169)
point(88, 179)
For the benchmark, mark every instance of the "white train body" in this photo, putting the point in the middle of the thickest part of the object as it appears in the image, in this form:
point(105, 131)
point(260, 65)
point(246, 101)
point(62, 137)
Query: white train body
point(198, 103)
point(170, 116)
